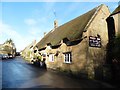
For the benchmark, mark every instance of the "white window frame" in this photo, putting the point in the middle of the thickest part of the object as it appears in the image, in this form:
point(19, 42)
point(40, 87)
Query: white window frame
point(68, 57)
point(51, 57)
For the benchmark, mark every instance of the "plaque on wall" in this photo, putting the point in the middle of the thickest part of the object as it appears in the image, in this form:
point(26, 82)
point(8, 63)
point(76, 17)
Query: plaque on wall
point(95, 41)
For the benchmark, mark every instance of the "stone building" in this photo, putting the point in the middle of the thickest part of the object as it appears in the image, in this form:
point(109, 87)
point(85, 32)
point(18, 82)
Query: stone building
point(28, 52)
point(78, 47)
point(8, 48)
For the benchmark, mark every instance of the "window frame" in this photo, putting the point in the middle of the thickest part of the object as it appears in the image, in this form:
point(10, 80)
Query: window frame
point(51, 58)
point(68, 57)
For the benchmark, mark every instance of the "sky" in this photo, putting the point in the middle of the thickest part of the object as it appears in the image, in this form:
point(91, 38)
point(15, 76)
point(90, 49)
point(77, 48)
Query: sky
point(25, 22)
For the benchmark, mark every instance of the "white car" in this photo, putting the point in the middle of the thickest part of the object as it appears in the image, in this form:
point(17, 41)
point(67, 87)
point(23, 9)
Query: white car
point(10, 56)
point(5, 56)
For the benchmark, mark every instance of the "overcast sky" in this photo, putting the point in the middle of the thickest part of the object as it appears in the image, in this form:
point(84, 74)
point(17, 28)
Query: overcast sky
point(24, 22)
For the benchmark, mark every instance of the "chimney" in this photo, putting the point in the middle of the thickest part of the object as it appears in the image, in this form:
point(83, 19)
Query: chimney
point(55, 24)
point(44, 33)
point(34, 42)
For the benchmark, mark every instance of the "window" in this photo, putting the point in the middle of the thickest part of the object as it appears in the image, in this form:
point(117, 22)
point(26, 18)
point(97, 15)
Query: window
point(51, 57)
point(68, 57)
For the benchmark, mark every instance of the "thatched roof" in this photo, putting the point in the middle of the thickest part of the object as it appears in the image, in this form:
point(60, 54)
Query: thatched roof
point(71, 30)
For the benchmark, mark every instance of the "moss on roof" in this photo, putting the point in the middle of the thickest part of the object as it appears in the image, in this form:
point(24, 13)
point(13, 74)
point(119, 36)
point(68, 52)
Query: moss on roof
point(71, 30)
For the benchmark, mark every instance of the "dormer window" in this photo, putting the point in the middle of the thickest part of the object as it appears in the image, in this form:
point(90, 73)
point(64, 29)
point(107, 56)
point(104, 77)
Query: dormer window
point(49, 45)
point(65, 40)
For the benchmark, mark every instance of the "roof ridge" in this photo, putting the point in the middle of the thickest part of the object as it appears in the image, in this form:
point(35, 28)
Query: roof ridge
point(92, 18)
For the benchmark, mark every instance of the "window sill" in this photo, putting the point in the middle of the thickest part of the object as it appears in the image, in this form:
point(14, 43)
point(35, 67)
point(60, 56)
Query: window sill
point(67, 62)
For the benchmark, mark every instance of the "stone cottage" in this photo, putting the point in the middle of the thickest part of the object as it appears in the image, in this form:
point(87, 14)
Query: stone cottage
point(28, 52)
point(78, 47)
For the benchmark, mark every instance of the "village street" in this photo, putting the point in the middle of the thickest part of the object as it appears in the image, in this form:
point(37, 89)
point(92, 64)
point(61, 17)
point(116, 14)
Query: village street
point(16, 73)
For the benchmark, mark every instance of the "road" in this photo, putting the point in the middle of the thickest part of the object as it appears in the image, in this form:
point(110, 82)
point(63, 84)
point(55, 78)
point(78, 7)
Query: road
point(17, 73)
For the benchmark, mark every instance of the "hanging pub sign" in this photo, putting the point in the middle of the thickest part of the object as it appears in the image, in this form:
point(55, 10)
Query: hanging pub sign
point(95, 41)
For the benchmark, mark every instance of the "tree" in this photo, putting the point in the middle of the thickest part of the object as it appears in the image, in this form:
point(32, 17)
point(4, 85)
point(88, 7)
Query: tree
point(10, 41)
point(10, 47)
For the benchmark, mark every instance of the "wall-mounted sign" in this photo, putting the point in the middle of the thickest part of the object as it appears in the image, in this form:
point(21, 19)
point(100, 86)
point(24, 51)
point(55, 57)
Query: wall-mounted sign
point(95, 41)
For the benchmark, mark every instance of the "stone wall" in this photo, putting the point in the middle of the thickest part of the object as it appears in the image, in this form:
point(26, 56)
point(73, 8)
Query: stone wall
point(78, 64)
point(97, 56)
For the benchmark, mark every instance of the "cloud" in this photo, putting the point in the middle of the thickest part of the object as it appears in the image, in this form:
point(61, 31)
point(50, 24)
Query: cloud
point(7, 31)
point(34, 31)
point(30, 21)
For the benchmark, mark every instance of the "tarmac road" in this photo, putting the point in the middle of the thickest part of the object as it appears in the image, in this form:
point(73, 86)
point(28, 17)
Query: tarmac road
point(17, 73)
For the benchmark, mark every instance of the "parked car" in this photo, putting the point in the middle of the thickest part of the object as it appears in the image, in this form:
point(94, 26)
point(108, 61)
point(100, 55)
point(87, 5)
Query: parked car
point(35, 61)
point(10, 56)
point(5, 56)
